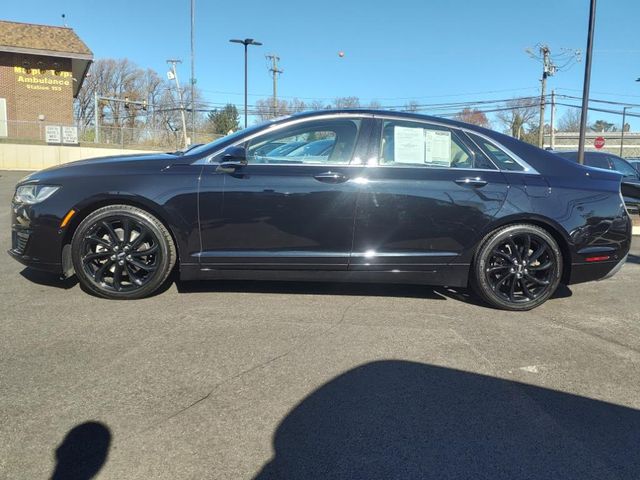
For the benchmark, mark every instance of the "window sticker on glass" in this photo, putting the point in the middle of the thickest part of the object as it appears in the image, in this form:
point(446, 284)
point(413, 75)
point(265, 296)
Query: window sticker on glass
point(438, 148)
point(422, 146)
point(408, 144)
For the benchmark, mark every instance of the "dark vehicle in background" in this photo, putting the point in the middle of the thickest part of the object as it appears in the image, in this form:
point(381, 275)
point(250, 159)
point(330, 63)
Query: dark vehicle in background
point(396, 198)
point(609, 161)
point(313, 149)
point(635, 163)
point(282, 150)
point(269, 147)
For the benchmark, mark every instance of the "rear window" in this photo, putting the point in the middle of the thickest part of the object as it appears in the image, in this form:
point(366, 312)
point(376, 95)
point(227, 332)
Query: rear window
point(502, 159)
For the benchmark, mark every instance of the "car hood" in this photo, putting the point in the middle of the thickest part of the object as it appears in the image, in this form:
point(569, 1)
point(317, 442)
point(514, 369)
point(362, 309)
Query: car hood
point(101, 165)
point(144, 157)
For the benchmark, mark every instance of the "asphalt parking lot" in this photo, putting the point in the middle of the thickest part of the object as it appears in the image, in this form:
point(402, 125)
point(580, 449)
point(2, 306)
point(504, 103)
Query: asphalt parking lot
point(264, 380)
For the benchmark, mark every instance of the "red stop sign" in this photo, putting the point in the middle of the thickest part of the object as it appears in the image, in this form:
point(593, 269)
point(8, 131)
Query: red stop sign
point(598, 142)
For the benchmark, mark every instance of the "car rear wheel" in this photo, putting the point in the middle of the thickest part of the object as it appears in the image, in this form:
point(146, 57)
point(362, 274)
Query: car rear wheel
point(517, 267)
point(122, 252)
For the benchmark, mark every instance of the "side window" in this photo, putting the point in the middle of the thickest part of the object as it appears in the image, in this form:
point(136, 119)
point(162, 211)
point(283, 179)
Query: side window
point(623, 167)
point(406, 144)
point(597, 161)
point(502, 159)
point(314, 142)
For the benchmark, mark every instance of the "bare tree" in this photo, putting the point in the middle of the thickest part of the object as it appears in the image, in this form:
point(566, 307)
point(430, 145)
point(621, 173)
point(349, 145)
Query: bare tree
point(319, 105)
point(296, 106)
point(518, 114)
point(346, 102)
point(264, 108)
point(120, 79)
point(570, 121)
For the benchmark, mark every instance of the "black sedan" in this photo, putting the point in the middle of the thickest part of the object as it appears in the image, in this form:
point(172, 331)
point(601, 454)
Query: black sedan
point(398, 197)
point(609, 161)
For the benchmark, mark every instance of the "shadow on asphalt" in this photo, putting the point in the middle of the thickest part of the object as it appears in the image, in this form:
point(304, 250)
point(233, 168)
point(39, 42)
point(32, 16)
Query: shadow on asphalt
point(332, 288)
point(398, 419)
point(310, 288)
point(633, 258)
point(83, 452)
point(293, 288)
point(48, 279)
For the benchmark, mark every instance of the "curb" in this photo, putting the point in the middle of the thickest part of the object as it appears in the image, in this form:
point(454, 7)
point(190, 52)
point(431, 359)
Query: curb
point(636, 231)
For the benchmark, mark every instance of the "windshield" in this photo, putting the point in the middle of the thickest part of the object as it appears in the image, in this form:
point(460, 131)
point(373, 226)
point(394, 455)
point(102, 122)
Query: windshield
point(210, 147)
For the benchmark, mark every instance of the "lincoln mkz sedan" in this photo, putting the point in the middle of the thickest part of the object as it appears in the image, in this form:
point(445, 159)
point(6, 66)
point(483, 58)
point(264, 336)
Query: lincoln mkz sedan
point(395, 197)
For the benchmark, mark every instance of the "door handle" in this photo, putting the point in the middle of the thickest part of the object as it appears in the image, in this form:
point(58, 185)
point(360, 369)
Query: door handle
point(471, 182)
point(331, 177)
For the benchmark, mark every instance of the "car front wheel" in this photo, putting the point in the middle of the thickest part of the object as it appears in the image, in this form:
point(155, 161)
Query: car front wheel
point(122, 252)
point(517, 267)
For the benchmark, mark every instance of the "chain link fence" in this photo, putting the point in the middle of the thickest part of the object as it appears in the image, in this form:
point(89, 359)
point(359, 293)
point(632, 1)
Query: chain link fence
point(107, 135)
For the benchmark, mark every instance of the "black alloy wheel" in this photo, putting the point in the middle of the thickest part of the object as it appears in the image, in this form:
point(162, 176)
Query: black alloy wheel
point(120, 251)
point(518, 267)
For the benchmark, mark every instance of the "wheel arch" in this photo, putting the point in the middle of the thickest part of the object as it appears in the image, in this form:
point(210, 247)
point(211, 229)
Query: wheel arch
point(551, 227)
point(85, 208)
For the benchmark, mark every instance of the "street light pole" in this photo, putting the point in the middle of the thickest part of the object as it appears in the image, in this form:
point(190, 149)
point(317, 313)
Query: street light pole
point(246, 42)
point(587, 82)
point(624, 119)
point(193, 75)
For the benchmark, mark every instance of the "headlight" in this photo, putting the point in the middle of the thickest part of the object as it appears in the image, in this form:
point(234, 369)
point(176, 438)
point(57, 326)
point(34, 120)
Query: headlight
point(31, 194)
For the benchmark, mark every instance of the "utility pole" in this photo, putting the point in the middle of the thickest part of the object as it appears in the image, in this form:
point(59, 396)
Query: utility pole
point(552, 141)
point(173, 75)
point(624, 120)
point(193, 77)
point(550, 66)
point(96, 117)
point(548, 69)
point(587, 82)
point(274, 71)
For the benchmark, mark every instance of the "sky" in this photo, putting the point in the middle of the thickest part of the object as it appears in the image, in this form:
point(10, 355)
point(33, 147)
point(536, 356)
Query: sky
point(394, 52)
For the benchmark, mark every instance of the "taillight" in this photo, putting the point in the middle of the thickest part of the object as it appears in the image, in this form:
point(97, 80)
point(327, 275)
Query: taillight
point(600, 258)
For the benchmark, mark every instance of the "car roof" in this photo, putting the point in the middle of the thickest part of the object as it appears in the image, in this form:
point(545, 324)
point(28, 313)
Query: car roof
point(381, 113)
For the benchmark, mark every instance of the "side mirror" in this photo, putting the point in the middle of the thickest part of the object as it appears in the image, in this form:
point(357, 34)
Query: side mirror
point(232, 159)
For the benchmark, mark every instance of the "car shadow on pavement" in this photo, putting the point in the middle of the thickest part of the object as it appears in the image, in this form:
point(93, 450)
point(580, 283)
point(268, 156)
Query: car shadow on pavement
point(310, 288)
point(83, 452)
point(464, 295)
point(399, 419)
point(631, 258)
point(48, 279)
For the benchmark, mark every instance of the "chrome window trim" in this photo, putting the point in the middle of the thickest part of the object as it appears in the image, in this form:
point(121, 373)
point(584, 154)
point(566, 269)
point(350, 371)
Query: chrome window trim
point(528, 169)
point(207, 160)
point(424, 167)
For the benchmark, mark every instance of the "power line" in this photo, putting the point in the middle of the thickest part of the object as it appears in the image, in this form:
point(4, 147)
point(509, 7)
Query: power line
point(451, 95)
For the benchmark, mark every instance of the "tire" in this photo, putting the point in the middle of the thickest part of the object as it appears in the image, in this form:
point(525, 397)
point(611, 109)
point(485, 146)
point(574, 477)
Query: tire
point(122, 252)
point(517, 267)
